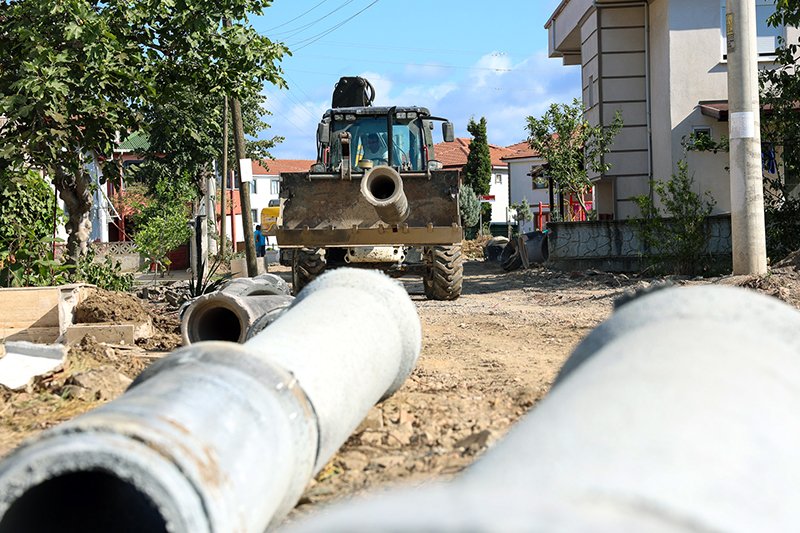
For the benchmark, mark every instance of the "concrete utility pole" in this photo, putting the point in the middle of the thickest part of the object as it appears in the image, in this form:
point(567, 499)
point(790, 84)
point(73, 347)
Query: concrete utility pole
point(747, 193)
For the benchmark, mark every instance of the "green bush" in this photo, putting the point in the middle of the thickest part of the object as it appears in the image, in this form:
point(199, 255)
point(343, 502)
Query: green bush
point(676, 241)
point(106, 274)
point(27, 207)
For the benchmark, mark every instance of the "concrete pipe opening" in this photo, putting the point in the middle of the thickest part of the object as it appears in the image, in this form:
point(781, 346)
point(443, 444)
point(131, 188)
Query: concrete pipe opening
point(217, 323)
point(382, 187)
point(83, 502)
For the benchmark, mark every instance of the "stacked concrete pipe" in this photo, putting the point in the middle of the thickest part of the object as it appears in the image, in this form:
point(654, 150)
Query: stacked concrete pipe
point(221, 437)
point(678, 414)
point(229, 313)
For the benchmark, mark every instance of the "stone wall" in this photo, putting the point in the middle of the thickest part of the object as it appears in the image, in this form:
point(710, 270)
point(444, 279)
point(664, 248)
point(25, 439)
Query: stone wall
point(612, 246)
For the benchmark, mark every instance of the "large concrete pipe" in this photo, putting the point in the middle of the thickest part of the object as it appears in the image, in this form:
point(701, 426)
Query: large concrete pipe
point(221, 437)
point(678, 414)
point(382, 187)
point(228, 314)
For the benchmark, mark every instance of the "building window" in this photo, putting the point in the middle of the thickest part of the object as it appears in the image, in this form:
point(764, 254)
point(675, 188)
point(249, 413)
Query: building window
point(274, 187)
point(701, 131)
point(766, 36)
point(254, 213)
point(498, 178)
point(539, 182)
point(253, 189)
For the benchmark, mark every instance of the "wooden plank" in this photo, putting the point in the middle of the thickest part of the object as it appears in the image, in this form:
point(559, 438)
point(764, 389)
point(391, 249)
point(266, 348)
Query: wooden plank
point(29, 307)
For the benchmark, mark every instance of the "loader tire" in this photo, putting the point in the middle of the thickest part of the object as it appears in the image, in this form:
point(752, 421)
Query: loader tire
point(307, 264)
point(445, 273)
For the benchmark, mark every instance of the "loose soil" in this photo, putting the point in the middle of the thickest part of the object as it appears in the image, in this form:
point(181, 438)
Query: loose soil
point(487, 358)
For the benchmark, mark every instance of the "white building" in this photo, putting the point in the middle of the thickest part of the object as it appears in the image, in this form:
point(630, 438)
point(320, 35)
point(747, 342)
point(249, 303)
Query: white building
point(662, 64)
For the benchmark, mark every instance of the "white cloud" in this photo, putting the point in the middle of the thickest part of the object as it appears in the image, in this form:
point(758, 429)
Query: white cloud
point(505, 96)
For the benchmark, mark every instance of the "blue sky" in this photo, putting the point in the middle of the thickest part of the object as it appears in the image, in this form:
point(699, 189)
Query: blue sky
point(459, 59)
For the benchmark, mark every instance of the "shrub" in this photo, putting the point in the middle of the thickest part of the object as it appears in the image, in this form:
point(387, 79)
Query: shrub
point(677, 241)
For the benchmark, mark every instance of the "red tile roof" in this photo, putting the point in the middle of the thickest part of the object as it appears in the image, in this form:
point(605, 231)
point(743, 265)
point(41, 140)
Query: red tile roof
point(520, 150)
point(273, 168)
point(454, 154)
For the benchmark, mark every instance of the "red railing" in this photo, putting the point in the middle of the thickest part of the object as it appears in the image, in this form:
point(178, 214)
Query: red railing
point(575, 212)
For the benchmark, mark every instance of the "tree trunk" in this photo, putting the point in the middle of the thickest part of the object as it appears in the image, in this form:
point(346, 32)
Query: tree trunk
point(77, 197)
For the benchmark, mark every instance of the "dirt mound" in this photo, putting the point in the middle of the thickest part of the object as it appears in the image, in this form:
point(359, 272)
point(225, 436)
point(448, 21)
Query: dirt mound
point(474, 248)
point(105, 307)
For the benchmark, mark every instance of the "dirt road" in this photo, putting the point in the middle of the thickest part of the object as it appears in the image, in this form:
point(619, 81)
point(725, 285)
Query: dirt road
point(486, 359)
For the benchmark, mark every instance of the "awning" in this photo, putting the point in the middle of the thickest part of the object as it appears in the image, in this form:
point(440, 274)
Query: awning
point(719, 110)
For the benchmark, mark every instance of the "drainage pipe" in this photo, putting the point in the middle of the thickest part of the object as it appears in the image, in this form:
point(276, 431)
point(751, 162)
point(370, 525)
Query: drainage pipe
point(679, 414)
point(382, 187)
point(220, 437)
point(228, 314)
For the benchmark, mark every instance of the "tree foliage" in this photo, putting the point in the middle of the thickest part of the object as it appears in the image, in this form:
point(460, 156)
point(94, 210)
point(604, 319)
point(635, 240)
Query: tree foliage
point(521, 213)
point(185, 136)
point(780, 139)
point(469, 207)
point(27, 208)
point(571, 146)
point(76, 74)
point(477, 172)
point(678, 241)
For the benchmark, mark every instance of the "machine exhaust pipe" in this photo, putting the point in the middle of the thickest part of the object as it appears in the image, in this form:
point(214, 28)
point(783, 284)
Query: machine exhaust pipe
point(382, 187)
point(228, 314)
point(679, 413)
point(221, 437)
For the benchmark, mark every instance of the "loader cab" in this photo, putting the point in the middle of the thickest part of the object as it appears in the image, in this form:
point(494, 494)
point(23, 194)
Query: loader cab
point(400, 137)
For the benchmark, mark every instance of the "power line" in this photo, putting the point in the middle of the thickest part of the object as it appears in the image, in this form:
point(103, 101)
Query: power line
point(298, 128)
point(300, 104)
point(427, 65)
point(304, 94)
point(443, 84)
point(315, 38)
point(297, 17)
point(306, 26)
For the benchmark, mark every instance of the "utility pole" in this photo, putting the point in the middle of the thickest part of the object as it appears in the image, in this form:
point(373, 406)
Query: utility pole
point(747, 192)
point(244, 187)
point(223, 209)
point(244, 190)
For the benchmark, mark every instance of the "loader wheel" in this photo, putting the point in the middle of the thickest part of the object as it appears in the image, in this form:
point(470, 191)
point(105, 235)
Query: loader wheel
point(307, 264)
point(445, 273)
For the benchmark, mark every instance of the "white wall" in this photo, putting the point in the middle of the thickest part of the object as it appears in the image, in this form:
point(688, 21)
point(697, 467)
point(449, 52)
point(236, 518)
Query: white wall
point(499, 189)
point(522, 187)
point(258, 201)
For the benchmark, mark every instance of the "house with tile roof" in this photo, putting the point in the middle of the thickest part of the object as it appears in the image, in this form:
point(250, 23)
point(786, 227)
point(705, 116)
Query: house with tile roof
point(264, 187)
point(524, 183)
point(662, 63)
point(453, 156)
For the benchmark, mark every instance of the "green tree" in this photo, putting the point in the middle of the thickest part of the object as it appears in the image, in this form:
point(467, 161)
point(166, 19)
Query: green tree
point(469, 206)
point(76, 75)
point(678, 238)
point(571, 146)
point(185, 136)
point(477, 173)
point(27, 208)
point(522, 213)
point(161, 226)
point(780, 139)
